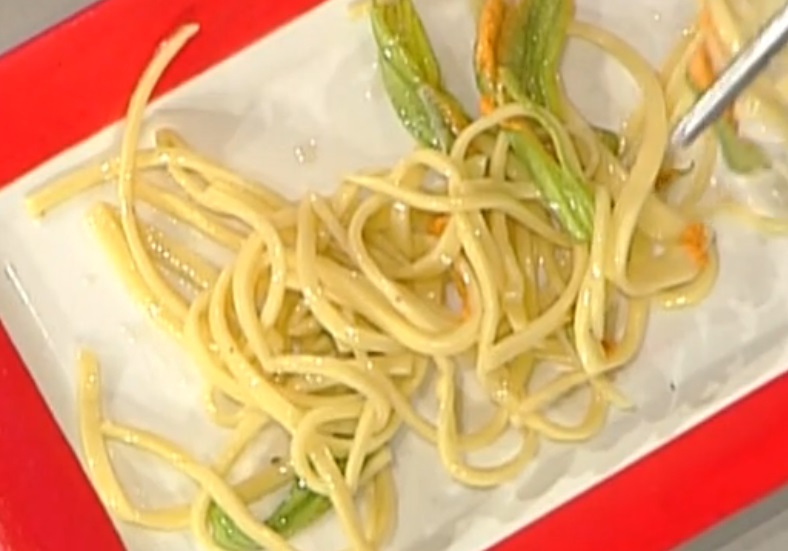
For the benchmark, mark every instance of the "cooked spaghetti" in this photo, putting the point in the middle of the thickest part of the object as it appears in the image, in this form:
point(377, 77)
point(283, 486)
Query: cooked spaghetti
point(519, 242)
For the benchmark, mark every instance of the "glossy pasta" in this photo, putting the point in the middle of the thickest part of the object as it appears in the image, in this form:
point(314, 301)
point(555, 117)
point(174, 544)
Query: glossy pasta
point(334, 312)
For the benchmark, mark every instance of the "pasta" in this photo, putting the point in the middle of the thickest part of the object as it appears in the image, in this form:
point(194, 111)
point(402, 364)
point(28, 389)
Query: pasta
point(332, 313)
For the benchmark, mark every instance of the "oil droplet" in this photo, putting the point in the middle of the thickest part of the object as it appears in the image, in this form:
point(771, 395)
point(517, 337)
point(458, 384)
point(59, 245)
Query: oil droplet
point(154, 309)
point(512, 296)
point(351, 334)
point(501, 395)
point(314, 380)
point(106, 169)
point(372, 90)
point(131, 439)
point(306, 153)
point(112, 503)
point(517, 420)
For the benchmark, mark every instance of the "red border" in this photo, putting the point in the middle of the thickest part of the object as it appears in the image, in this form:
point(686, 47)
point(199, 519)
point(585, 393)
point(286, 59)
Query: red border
point(66, 84)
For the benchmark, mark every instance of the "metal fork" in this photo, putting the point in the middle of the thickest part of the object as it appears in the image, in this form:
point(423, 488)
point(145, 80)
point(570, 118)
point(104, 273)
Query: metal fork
point(744, 68)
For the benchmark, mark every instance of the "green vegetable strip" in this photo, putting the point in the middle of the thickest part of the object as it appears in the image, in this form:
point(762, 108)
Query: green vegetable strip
point(514, 43)
point(741, 155)
point(403, 43)
point(418, 118)
point(411, 75)
point(551, 181)
point(550, 127)
point(609, 139)
point(299, 510)
point(225, 533)
point(545, 35)
point(562, 187)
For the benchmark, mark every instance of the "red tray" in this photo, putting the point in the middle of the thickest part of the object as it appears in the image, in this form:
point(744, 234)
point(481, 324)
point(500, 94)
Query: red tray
point(66, 84)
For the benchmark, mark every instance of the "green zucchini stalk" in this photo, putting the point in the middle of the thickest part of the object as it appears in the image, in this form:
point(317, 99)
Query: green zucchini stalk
point(529, 37)
point(513, 44)
point(741, 155)
point(225, 533)
point(411, 76)
point(300, 509)
point(518, 50)
point(560, 183)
